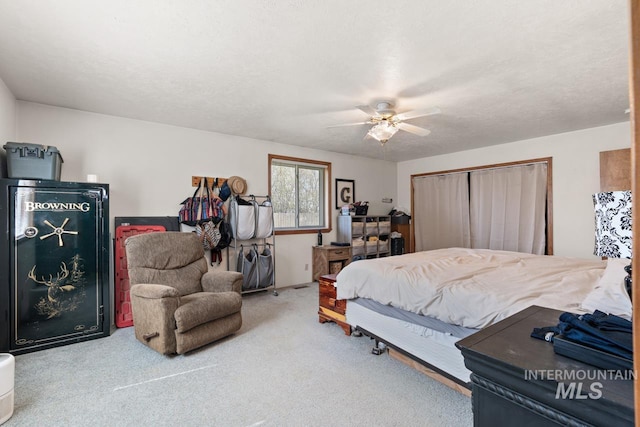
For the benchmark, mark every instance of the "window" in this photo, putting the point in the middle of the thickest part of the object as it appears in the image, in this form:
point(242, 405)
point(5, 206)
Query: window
point(300, 194)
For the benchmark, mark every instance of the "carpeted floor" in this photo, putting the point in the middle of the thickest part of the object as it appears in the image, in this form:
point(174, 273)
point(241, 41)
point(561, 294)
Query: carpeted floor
point(283, 368)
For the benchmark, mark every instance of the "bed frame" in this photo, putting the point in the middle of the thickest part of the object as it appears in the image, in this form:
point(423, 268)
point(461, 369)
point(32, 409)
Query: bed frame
point(418, 352)
point(430, 356)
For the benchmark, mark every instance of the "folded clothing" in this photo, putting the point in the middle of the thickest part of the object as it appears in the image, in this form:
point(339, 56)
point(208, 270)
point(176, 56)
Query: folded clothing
point(606, 332)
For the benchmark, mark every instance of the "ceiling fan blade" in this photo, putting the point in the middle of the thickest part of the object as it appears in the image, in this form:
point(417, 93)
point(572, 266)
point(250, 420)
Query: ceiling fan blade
point(367, 110)
point(349, 124)
point(416, 130)
point(418, 113)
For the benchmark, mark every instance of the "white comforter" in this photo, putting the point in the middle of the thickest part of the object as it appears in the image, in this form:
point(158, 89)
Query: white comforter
point(471, 287)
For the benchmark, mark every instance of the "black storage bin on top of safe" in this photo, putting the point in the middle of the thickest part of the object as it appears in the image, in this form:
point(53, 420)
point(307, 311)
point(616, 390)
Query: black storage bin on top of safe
point(33, 161)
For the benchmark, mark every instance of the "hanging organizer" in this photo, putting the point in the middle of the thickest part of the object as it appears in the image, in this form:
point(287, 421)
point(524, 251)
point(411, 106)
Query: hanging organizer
point(253, 246)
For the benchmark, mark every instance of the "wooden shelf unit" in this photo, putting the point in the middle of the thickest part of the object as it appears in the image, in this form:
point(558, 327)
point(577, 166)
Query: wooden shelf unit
point(367, 234)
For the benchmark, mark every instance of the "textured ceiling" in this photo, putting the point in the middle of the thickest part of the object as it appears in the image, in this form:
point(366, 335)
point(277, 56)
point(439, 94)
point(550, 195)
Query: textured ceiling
point(283, 71)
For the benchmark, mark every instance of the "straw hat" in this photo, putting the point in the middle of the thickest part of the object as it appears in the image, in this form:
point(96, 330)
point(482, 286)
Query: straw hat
point(237, 184)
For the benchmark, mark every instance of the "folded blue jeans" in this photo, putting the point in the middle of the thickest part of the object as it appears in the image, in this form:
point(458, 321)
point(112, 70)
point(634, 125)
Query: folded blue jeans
point(599, 330)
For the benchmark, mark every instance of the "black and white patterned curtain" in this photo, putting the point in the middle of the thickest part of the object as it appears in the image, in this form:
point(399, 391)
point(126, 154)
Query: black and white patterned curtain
point(613, 224)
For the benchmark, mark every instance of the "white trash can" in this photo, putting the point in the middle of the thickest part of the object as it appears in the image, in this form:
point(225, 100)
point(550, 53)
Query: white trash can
point(7, 372)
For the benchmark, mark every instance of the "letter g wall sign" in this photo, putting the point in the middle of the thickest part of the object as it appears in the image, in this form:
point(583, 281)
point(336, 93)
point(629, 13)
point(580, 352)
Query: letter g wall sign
point(345, 192)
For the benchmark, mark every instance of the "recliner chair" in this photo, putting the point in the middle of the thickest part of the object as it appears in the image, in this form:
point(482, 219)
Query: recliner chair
point(177, 304)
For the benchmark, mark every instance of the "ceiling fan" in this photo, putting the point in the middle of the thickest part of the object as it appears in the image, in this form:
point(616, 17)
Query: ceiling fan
point(387, 122)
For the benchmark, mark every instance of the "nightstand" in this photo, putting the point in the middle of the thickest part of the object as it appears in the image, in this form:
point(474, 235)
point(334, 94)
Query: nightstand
point(519, 380)
point(329, 260)
point(331, 309)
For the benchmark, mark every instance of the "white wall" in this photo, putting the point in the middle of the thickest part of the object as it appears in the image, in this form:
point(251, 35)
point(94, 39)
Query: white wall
point(7, 119)
point(149, 168)
point(576, 176)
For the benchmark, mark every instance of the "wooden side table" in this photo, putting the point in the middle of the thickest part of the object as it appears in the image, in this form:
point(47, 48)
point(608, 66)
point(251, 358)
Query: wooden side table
point(329, 260)
point(331, 309)
point(519, 380)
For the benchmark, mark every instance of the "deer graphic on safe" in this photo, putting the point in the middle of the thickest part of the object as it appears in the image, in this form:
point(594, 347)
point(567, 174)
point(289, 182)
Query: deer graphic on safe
point(65, 291)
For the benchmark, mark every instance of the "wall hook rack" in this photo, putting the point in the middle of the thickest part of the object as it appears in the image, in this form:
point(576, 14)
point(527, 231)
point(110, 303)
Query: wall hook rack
point(195, 181)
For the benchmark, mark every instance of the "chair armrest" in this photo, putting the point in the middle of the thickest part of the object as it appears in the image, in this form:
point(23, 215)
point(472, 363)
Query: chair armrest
point(153, 291)
point(222, 281)
point(153, 308)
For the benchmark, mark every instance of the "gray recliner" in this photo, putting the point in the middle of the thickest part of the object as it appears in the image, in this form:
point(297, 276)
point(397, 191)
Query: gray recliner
point(177, 304)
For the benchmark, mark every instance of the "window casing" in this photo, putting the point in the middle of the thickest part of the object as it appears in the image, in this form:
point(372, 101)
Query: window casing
point(300, 194)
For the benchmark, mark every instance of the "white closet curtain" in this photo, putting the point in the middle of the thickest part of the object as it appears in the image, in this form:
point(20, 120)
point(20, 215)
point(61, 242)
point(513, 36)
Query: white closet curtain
point(508, 207)
point(441, 211)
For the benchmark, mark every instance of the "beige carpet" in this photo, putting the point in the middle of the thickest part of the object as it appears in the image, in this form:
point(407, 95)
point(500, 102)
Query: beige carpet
point(283, 368)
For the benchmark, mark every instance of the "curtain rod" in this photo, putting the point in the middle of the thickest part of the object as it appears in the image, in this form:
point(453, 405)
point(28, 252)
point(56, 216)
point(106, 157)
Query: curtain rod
point(483, 169)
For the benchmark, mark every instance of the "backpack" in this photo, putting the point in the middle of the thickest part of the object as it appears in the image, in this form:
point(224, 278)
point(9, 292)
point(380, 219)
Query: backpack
point(225, 234)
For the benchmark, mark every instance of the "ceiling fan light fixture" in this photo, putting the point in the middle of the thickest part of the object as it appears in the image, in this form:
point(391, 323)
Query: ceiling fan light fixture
point(386, 122)
point(383, 131)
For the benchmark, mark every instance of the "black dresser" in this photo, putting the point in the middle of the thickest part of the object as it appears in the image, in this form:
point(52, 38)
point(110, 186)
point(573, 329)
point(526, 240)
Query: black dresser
point(519, 381)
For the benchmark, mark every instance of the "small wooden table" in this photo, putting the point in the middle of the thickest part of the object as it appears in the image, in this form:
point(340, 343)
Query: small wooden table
point(329, 259)
point(519, 380)
point(331, 309)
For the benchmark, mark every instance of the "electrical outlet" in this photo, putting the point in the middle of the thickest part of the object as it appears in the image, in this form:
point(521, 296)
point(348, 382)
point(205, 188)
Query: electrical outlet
point(306, 267)
point(387, 200)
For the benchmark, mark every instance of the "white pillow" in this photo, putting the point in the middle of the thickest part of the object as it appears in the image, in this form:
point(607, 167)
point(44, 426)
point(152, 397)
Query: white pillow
point(610, 295)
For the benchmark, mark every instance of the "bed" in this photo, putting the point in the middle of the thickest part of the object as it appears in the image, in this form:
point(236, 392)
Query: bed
point(421, 304)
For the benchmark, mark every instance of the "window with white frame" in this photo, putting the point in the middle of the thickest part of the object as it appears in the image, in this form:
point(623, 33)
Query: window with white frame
point(300, 194)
